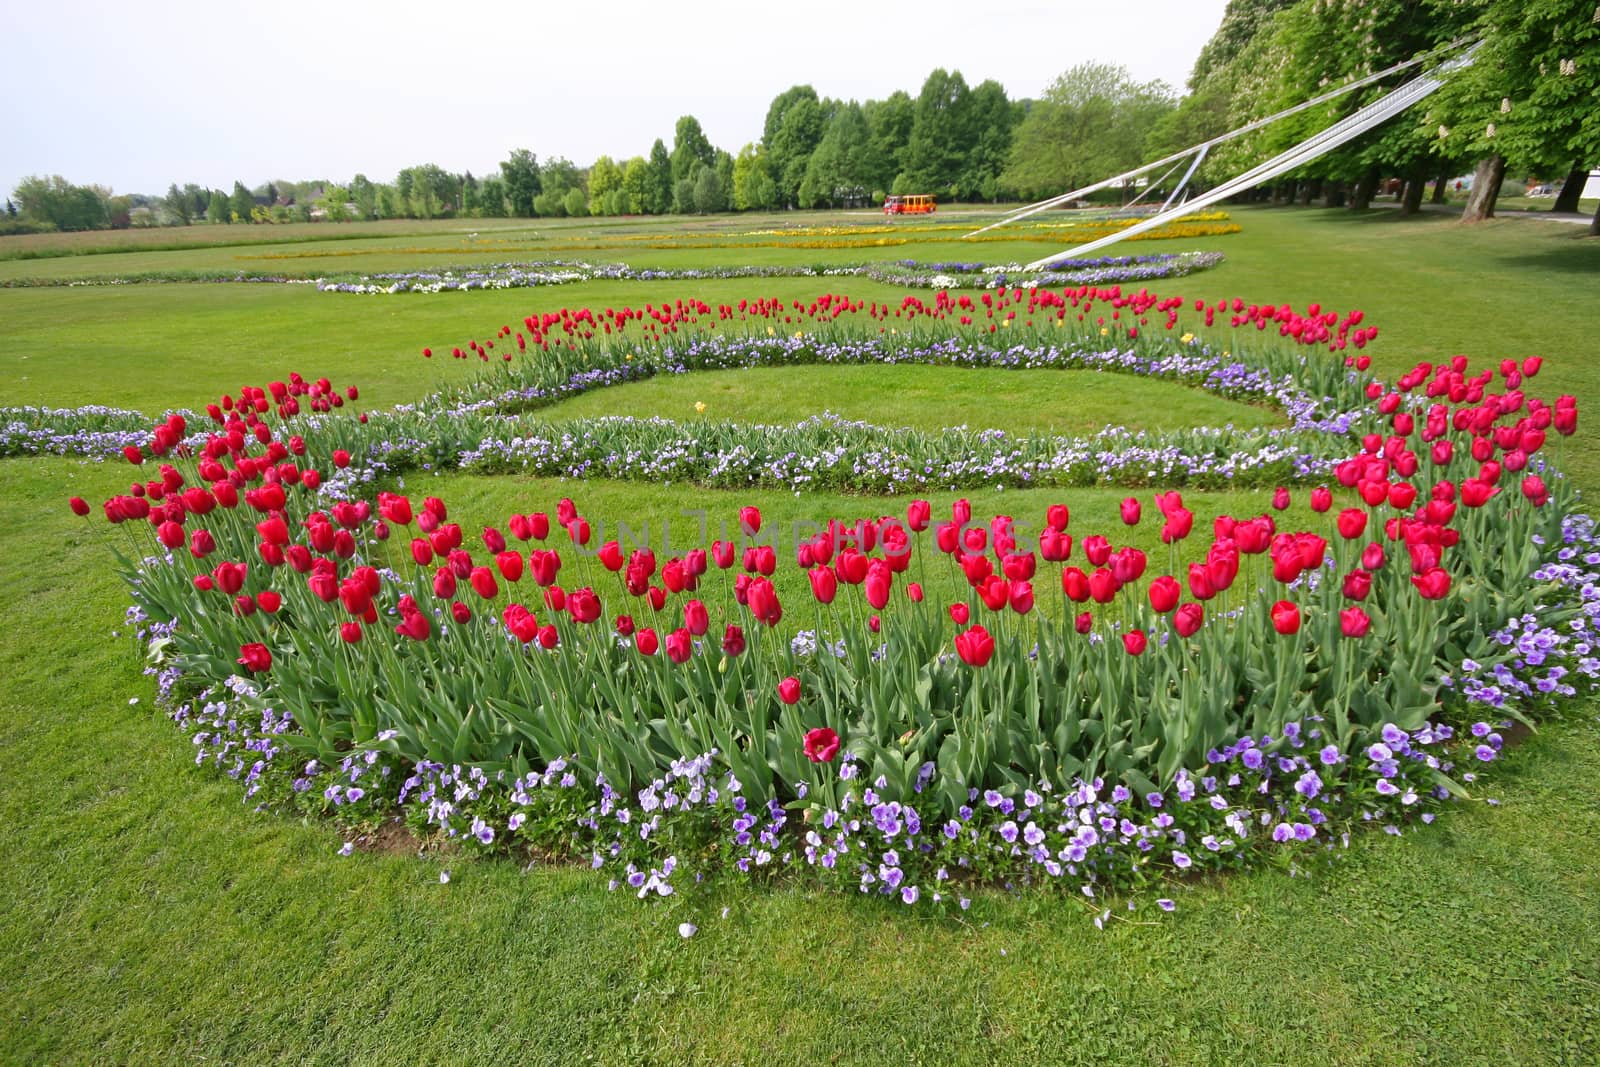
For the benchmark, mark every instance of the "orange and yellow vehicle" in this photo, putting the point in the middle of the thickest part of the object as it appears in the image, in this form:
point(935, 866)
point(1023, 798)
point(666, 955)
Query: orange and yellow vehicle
point(908, 205)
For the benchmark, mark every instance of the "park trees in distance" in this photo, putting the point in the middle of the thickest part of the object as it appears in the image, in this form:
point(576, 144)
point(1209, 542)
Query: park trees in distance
point(1092, 122)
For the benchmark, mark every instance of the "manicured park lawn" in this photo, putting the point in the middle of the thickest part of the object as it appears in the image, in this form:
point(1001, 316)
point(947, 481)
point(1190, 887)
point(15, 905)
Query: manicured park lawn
point(147, 915)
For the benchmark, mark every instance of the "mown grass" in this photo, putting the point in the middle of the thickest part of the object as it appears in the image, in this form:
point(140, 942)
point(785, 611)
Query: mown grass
point(148, 915)
point(927, 398)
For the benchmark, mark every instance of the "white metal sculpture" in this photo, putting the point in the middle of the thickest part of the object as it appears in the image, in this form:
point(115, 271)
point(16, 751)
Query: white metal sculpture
point(1346, 129)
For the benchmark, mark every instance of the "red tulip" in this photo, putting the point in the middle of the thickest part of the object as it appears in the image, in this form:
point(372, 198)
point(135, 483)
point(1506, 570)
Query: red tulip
point(269, 601)
point(695, 618)
point(1353, 622)
point(509, 564)
point(1286, 617)
point(1022, 597)
point(1534, 489)
point(975, 646)
point(583, 605)
point(494, 540)
point(733, 642)
point(1135, 642)
point(1432, 584)
point(1056, 517)
point(1103, 586)
point(821, 744)
point(1097, 550)
point(1164, 594)
point(789, 690)
point(1321, 499)
point(1083, 622)
point(680, 645)
point(878, 585)
point(1280, 498)
point(1130, 511)
point(80, 506)
point(1188, 618)
point(959, 614)
point(750, 520)
point(350, 632)
point(918, 515)
point(255, 657)
point(1357, 584)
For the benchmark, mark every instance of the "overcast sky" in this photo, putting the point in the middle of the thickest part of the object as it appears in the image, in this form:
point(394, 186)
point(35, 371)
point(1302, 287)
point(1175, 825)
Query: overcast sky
point(136, 96)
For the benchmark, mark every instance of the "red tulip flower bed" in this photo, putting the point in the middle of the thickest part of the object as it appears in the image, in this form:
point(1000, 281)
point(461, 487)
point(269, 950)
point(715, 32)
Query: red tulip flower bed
point(955, 698)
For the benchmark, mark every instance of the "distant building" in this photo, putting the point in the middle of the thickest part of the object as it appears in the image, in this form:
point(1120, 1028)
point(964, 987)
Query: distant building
point(1591, 188)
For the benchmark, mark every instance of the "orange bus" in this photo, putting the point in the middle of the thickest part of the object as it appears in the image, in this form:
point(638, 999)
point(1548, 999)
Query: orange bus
point(908, 205)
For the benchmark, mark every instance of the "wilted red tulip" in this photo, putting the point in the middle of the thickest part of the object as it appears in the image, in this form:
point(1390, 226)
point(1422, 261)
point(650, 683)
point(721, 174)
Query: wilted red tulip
point(255, 657)
point(821, 744)
point(975, 646)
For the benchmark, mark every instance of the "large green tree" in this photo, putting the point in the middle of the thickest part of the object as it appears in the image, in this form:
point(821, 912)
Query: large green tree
point(942, 135)
point(57, 202)
point(794, 126)
point(753, 187)
point(658, 194)
point(845, 163)
point(689, 147)
point(1091, 123)
point(521, 176)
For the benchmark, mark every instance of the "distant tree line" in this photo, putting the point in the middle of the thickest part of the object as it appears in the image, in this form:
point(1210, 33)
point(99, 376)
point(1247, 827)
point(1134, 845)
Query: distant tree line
point(1527, 102)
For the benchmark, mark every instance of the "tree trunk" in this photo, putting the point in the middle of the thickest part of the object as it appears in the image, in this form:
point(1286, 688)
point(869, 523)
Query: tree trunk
point(1594, 224)
point(1361, 195)
point(1334, 194)
point(1416, 185)
point(1486, 179)
point(1570, 192)
point(1310, 189)
point(1440, 186)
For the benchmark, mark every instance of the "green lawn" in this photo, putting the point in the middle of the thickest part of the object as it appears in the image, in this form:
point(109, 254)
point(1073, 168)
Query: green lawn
point(928, 398)
point(148, 915)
